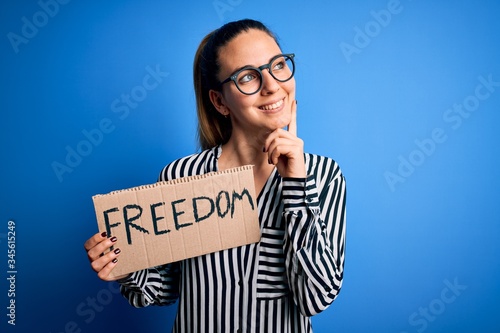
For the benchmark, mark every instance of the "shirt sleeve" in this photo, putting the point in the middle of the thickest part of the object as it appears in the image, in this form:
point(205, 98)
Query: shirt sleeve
point(153, 286)
point(315, 238)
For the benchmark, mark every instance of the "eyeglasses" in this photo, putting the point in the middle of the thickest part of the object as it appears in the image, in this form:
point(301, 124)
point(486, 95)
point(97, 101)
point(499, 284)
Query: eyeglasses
point(249, 80)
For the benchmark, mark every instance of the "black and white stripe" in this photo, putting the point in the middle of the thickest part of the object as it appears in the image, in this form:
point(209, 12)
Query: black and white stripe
point(294, 272)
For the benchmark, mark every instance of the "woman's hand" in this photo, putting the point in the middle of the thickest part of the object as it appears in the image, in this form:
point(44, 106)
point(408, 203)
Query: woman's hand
point(102, 263)
point(285, 150)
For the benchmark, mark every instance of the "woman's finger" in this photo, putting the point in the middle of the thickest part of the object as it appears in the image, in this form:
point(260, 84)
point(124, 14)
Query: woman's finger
point(106, 270)
point(94, 240)
point(101, 247)
point(99, 264)
point(292, 127)
point(286, 152)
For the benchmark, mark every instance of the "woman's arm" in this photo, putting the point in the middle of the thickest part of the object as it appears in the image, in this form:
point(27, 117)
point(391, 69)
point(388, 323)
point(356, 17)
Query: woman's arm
point(314, 211)
point(153, 286)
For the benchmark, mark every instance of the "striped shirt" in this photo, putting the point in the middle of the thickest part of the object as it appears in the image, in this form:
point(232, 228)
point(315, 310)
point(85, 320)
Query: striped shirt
point(275, 285)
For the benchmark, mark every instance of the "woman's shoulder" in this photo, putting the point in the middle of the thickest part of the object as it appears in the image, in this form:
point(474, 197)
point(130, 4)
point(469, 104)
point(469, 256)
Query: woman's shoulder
point(194, 164)
point(322, 166)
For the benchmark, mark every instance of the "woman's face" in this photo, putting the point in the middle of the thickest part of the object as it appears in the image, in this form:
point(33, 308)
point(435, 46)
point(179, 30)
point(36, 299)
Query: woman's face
point(268, 109)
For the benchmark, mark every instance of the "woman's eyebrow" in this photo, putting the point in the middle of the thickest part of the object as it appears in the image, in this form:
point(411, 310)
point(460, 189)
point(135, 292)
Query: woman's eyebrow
point(252, 66)
point(242, 67)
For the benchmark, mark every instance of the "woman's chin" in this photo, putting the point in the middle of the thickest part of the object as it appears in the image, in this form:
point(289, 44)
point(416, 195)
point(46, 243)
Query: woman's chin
point(282, 121)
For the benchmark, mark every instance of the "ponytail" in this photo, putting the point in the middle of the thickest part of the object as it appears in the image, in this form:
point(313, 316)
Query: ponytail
point(213, 128)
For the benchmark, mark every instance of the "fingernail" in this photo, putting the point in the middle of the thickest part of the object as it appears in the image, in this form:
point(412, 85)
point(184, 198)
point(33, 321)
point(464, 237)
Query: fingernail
point(113, 239)
point(117, 251)
point(114, 261)
point(264, 149)
point(269, 161)
point(104, 234)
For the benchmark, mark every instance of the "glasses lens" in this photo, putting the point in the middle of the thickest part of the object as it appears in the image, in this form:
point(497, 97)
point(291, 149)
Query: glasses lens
point(248, 81)
point(282, 68)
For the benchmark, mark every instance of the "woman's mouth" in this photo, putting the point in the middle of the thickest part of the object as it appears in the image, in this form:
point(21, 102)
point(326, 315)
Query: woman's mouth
point(273, 106)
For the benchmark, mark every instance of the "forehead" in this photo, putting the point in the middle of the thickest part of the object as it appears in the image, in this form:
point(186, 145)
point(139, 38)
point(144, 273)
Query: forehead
point(253, 47)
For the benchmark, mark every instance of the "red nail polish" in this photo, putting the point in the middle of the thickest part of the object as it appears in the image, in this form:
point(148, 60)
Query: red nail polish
point(117, 251)
point(114, 261)
point(263, 149)
point(113, 239)
point(104, 234)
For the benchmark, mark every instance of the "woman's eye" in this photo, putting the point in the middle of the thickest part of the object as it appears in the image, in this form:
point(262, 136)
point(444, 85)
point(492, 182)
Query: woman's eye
point(279, 65)
point(247, 78)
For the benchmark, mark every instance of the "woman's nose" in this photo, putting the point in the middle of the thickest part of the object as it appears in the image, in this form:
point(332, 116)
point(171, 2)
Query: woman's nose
point(269, 84)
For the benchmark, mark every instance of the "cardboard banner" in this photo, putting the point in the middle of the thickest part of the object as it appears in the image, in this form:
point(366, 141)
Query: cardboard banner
point(178, 219)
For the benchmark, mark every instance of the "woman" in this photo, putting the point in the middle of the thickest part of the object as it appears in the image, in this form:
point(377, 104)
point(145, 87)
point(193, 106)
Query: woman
point(296, 270)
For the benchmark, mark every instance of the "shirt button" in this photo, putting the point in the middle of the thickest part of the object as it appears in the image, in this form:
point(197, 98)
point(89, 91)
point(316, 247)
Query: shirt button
point(240, 284)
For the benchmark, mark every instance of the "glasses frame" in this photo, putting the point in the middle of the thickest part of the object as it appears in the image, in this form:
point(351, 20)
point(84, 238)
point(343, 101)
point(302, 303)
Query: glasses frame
point(267, 66)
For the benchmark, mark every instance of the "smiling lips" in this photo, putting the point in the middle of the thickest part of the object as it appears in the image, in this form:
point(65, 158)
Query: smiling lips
point(274, 106)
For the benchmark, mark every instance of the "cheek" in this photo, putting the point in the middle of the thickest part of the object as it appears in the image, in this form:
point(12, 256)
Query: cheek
point(237, 100)
point(290, 87)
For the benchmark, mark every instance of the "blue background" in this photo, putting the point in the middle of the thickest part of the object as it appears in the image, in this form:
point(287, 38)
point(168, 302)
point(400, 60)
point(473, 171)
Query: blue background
point(372, 108)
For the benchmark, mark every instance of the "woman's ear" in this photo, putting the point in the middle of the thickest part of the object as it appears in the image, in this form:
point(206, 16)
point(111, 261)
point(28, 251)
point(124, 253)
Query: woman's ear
point(218, 102)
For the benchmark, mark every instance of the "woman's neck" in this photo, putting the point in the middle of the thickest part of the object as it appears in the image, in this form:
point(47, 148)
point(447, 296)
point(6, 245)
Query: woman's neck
point(237, 153)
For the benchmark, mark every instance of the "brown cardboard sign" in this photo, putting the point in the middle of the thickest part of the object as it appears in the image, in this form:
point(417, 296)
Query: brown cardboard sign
point(178, 219)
